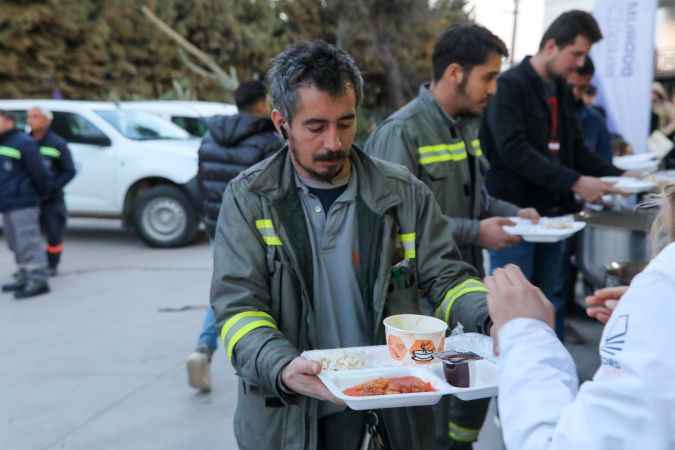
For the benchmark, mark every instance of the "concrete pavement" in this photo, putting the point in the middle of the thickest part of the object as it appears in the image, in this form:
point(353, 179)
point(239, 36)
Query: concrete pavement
point(99, 362)
point(96, 364)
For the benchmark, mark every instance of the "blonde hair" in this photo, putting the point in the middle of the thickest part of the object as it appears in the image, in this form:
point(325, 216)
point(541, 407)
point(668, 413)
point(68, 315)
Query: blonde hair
point(663, 228)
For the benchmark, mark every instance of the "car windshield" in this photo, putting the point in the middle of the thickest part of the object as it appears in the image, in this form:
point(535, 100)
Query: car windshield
point(141, 126)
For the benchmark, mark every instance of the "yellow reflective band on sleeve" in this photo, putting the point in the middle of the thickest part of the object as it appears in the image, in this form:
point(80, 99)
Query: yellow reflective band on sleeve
point(466, 287)
point(266, 229)
point(241, 316)
point(50, 151)
point(10, 152)
point(243, 331)
point(272, 240)
point(408, 243)
point(432, 154)
point(440, 148)
point(407, 237)
point(476, 147)
point(241, 323)
point(263, 224)
point(462, 434)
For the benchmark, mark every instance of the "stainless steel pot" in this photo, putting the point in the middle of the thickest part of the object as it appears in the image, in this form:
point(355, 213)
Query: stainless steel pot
point(609, 237)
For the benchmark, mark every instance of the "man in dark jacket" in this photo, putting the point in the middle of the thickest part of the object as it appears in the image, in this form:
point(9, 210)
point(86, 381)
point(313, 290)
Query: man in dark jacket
point(232, 144)
point(536, 150)
point(24, 180)
point(59, 162)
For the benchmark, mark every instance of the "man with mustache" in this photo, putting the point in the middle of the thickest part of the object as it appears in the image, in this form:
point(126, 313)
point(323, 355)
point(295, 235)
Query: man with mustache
point(436, 137)
point(305, 248)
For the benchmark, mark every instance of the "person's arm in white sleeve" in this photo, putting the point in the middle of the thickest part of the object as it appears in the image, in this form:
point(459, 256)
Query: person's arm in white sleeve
point(537, 378)
point(631, 401)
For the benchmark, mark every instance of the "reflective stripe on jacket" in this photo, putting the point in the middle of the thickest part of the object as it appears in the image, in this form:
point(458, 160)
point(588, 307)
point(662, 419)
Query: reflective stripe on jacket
point(437, 150)
point(23, 178)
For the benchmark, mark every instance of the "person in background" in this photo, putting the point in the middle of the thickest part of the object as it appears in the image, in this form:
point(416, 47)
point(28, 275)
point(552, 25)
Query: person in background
point(314, 248)
point(597, 138)
point(59, 162)
point(536, 150)
point(589, 96)
point(24, 182)
point(663, 111)
point(436, 137)
point(232, 144)
point(630, 402)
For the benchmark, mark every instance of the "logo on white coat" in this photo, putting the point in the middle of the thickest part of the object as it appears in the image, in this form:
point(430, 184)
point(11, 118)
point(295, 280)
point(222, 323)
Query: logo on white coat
point(614, 342)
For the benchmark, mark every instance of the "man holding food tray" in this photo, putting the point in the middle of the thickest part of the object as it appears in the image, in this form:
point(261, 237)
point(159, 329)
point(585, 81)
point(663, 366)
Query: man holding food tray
point(314, 247)
point(536, 149)
point(436, 137)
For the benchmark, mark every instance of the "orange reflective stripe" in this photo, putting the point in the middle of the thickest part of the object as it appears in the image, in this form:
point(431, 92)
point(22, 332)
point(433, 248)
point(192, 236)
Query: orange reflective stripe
point(55, 248)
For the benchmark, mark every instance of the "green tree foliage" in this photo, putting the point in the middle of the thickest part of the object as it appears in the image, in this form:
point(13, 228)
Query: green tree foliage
point(107, 49)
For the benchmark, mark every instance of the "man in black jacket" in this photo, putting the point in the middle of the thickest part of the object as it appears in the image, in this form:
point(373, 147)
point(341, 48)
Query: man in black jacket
point(24, 180)
point(59, 162)
point(232, 144)
point(536, 150)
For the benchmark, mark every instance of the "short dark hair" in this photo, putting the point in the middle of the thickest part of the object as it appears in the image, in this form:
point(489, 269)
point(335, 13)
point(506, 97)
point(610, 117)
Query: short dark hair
point(466, 44)
point(316, 63)
point(7, 115)
point(570, 24)
point(588, 69)
point(249, 93)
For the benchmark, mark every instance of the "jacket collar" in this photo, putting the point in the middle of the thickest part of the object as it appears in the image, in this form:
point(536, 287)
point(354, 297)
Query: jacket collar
point(526, 67)
point(276, 180)
point(433, 107)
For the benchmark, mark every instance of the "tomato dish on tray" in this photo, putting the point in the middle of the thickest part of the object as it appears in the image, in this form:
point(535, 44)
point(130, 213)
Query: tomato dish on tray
point(389, 386)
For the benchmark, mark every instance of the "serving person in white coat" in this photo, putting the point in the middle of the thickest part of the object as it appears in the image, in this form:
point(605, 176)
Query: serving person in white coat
point(630, 403)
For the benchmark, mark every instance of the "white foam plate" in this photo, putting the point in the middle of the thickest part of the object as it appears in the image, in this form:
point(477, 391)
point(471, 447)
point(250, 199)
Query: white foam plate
point(483, 374)
point(644, 162)
point(630, 185)
point(542, 231)
point(337, 382)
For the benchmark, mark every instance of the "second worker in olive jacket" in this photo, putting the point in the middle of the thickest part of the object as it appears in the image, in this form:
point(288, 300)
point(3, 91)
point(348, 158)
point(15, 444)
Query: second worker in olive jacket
point(436, 137)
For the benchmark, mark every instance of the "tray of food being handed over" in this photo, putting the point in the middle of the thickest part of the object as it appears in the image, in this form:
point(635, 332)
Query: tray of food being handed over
point(548, 229)
point(417, 367)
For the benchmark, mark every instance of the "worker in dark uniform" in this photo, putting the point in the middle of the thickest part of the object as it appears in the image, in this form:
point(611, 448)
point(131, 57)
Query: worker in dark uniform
point(59, 163)
point(24, 181)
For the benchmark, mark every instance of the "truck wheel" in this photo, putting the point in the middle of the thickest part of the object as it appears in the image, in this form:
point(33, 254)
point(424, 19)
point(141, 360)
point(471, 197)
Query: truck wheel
point(164, 217)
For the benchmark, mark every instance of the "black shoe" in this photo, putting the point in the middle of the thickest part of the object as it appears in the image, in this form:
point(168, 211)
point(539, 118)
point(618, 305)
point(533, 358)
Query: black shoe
point(13, 286)
point(53, 271)
point(31, 289)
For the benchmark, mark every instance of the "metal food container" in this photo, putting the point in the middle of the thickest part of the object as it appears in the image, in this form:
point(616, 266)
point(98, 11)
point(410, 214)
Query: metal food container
point(614, 244)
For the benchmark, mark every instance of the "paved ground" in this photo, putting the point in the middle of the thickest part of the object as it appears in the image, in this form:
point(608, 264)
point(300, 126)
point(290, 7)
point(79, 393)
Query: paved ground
point(99, 362)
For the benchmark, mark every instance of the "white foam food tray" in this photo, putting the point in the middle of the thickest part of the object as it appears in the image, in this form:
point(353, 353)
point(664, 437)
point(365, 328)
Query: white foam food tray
point(643, 162)
point(549, 229)
point(374, 362)
point(338, 381)
point(631, 185)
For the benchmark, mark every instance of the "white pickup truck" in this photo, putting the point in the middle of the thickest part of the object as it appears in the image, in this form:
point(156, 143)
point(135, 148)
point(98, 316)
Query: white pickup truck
point(130, 165)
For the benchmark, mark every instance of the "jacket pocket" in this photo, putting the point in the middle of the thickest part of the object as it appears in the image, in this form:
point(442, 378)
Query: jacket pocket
point(257, 426)
point(402, 294)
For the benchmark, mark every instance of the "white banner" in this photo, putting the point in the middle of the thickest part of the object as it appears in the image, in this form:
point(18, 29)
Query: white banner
point(624, 63)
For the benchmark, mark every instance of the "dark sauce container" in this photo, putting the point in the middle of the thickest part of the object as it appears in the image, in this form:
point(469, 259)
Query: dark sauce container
point(456, 367)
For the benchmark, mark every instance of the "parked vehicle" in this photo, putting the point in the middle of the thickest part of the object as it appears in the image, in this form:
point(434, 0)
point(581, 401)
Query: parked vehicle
point(191, 116)
point(130, 165)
